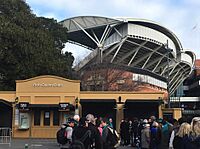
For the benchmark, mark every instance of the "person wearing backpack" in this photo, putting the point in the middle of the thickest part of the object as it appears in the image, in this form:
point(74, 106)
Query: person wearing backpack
point(95, 134)
point(81, 136)
point(110, 137)
point(155, 136)
point(61, 135)
point(69, 129)
point(64, 135)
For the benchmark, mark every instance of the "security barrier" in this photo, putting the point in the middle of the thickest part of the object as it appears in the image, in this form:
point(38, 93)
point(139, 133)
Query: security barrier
point(5, 136)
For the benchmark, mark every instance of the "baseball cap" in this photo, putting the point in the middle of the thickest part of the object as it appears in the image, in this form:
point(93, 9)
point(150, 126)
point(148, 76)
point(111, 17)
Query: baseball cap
point(70, 120)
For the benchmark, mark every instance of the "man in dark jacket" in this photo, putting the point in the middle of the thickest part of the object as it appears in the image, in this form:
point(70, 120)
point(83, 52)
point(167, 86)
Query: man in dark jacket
point(135, 130)
point(126, 133)
point(80, 131)
point(95, 134)
point(122, 131)
point(106, 135)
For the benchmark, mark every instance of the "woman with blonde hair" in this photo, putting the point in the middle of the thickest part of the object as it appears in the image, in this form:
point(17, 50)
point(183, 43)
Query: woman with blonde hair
point(195, 136)
point(182, 138)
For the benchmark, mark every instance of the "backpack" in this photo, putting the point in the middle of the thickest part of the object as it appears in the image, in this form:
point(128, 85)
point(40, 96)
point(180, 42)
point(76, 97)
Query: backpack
point(178, 142)
point(113, 137)
point(78, 143)
point(61, 136)
point(155, 135)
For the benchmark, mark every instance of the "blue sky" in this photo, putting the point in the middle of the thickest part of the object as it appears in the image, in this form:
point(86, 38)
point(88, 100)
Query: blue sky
point(180, 16)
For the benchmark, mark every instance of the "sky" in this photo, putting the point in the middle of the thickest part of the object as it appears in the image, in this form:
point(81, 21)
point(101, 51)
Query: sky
point(180, 16)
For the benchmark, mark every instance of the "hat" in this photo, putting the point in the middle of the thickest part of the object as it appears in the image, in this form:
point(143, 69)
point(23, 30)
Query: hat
point(70, 120)
point(145, 121)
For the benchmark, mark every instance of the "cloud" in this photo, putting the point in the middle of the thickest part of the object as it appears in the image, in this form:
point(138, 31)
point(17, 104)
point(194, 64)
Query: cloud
point(179, 16)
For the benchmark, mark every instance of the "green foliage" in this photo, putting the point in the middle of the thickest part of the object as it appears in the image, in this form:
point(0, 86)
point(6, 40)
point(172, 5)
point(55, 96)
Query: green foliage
point(30, 45)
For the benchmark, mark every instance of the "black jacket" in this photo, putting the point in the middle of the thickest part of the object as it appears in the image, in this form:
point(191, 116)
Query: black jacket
point(95, 135)
point(195, 143)
point(78, 133)
point(182, 142)
point(107, 138)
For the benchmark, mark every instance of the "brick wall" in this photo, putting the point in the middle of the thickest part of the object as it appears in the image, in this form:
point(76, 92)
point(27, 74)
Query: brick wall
point(197, 65)
point(110, 79)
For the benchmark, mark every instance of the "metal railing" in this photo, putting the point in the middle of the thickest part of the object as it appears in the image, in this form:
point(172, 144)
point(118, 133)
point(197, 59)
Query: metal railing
point(5, 136)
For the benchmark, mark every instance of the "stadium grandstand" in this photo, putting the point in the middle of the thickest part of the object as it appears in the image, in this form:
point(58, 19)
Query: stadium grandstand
point(144, 50)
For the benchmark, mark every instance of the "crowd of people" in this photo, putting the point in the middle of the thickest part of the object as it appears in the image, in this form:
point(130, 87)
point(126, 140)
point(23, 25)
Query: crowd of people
point(90, 132)
point(148, 133)
point(155, 133)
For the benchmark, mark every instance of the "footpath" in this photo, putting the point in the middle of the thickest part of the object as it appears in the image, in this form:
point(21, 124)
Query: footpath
point(31, 144)
point(36, 144)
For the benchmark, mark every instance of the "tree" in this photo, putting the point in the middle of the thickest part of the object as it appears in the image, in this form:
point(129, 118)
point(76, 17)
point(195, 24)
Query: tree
point(30, 45)
point(107, 77)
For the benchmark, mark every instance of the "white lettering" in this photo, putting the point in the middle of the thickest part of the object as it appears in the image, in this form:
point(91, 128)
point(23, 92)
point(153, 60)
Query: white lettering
point(47, 85)
point(63, 105)
point(23, 105)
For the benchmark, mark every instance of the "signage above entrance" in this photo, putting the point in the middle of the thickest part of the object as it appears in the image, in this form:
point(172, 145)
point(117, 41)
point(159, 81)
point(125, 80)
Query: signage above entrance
point(47, 85)
point(23, 106)
point(64, 106)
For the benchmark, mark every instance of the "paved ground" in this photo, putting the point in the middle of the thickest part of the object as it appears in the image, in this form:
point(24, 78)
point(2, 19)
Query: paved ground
point(37, 144)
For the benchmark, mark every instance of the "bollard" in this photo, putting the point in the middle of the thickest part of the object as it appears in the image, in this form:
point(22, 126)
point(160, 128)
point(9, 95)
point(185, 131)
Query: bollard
point(26, 146)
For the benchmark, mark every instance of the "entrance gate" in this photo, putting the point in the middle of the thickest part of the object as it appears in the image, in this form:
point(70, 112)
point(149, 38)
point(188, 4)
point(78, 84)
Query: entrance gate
point(5, 136)
point(99, 108)
point(5, 114)
point(140, 109)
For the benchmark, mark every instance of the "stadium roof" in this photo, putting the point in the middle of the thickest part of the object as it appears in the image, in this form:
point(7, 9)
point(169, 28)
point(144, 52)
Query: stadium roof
point(98, 24)
point(131, 42)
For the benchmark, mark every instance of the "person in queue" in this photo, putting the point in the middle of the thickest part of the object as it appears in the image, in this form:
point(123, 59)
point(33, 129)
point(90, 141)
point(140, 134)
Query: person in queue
point(195, 135)
point(182, 138)
point(95, 134)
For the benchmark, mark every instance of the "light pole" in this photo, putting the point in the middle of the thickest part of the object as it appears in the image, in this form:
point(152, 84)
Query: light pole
point(168, 74)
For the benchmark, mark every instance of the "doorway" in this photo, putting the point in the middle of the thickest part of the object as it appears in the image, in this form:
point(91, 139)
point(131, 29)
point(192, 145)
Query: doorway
point(99, 108)
point(5, 114)
point(140, 109)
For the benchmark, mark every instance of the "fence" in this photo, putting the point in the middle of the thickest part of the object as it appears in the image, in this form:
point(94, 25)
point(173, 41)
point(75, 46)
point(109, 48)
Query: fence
point(5, 136)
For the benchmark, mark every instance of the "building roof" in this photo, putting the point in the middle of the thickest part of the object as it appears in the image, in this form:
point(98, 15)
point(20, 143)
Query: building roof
point(98, 25)
point(131, 42)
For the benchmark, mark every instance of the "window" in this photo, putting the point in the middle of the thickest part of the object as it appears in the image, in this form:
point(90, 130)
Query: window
point(37, 114)
point(46, 118)
point(55, 118)
point(24, 121)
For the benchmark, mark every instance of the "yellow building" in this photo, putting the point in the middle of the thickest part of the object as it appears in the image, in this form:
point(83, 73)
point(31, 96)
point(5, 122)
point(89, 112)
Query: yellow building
point(39, 105)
